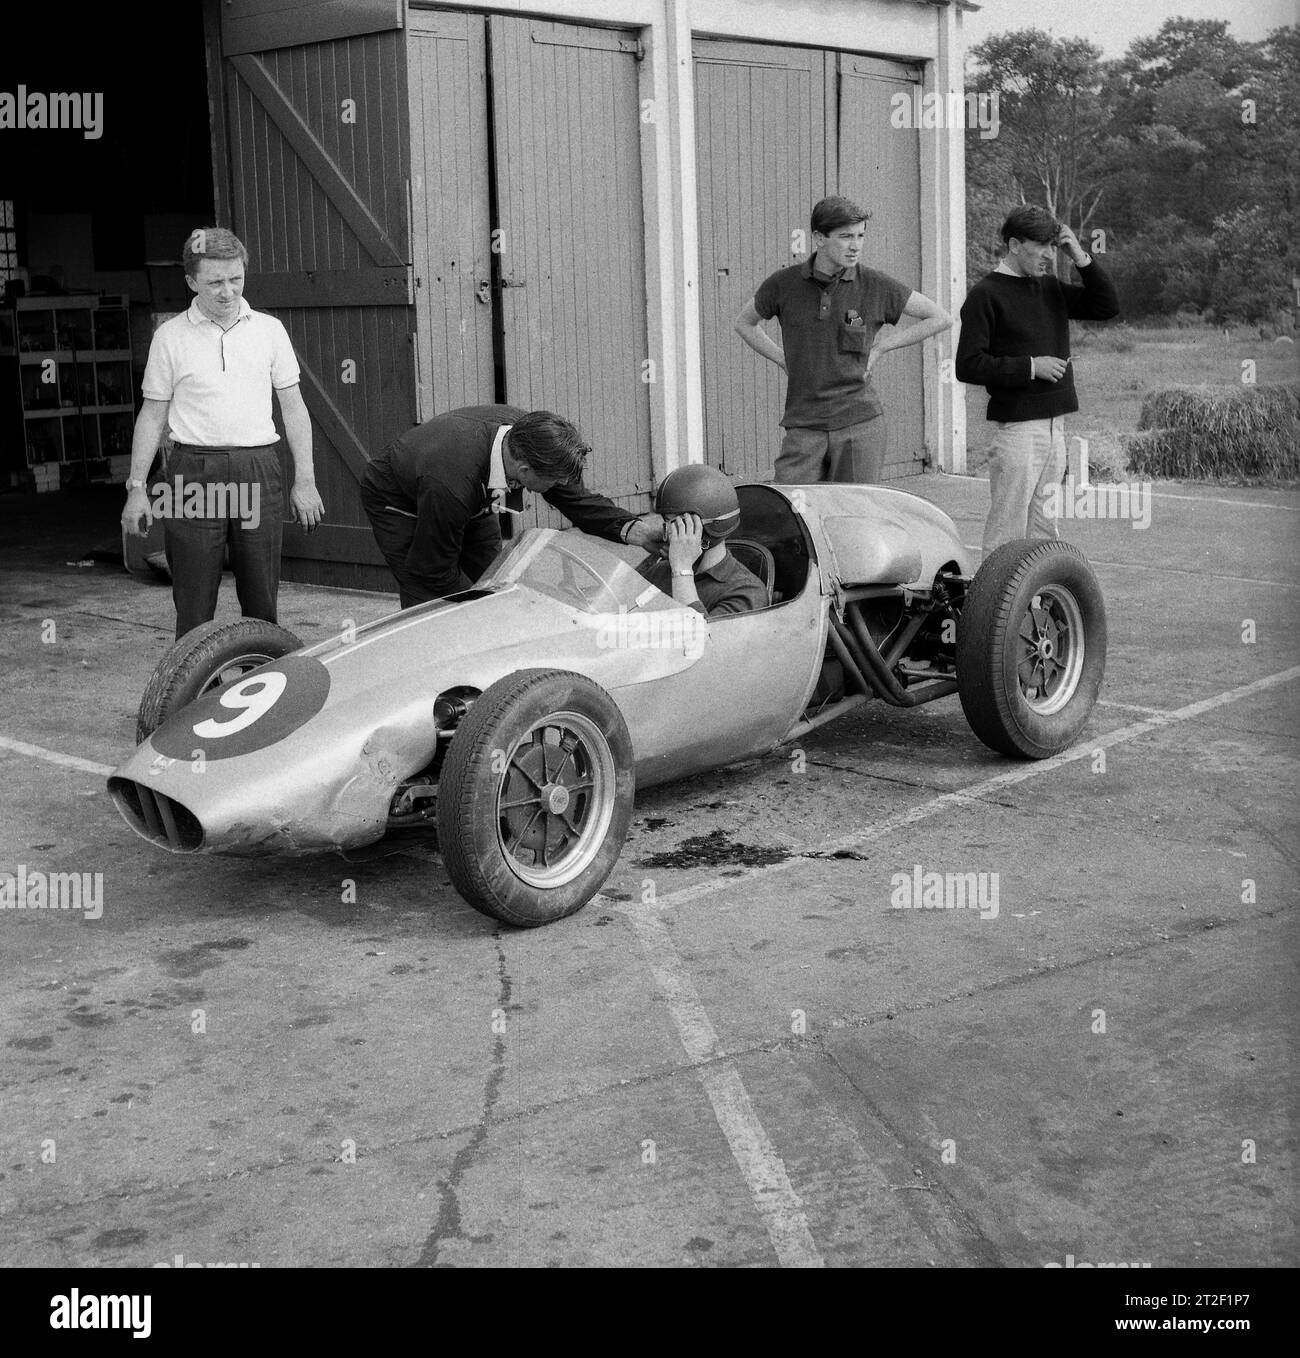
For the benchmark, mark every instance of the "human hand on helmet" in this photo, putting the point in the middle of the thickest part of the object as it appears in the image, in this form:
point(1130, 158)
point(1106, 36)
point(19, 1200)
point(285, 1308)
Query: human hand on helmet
point(684, 540)
point(646, 532)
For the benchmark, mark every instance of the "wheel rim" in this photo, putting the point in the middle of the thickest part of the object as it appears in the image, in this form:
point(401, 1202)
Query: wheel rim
point(1049, 652)
point(234, 668)
point(555, 799)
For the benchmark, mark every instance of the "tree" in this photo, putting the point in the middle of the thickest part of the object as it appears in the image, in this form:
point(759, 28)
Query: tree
point(1270, 116)
point(1051, 119)
point(1182, 46)
point(1185, 152)
point(1256, 256)
point(1164, 268)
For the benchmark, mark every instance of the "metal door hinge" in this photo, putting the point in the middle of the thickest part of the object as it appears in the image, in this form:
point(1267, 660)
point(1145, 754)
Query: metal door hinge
point(485, 288)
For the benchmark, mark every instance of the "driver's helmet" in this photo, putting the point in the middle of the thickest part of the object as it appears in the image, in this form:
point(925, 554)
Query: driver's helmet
point(701, 490)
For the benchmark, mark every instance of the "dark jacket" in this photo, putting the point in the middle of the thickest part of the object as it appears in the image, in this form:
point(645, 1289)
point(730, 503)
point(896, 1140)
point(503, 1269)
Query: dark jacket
point(438, 472)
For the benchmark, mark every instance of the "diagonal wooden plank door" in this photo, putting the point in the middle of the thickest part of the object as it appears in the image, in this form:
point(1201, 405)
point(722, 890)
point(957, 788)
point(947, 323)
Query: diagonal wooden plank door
point(319, 167)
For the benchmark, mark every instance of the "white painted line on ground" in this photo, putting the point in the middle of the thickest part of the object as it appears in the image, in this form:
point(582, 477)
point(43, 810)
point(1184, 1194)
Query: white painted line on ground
point(1134, 707)
point(68, 761)
point(778, 1204)
point(1195, 574)
point(1175, 570)
point(965, 796)
point(1166, 495)
point(764, 1172)
point(1214, 500)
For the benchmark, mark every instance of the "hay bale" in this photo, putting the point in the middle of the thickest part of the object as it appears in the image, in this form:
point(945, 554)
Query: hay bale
point(1249, 433)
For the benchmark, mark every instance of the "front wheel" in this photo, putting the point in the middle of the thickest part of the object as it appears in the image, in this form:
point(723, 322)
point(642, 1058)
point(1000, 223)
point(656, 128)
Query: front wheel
point(1031, 648)
point(208, 657)
point(535, 796)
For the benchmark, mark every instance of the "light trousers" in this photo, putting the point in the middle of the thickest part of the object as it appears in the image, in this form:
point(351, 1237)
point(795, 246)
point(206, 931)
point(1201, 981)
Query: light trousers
point(1026, 460)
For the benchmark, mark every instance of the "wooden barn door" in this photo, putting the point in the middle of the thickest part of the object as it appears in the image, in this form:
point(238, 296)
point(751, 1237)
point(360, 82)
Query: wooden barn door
point(571, 282)
point(880, 168)
point(765, 146)
point(317, 138)
point(451, 225)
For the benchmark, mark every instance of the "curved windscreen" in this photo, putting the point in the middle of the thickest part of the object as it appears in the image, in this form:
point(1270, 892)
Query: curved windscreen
point(583, 572)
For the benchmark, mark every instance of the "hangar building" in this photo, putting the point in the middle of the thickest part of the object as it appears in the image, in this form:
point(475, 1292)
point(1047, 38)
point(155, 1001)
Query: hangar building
point(565, 205)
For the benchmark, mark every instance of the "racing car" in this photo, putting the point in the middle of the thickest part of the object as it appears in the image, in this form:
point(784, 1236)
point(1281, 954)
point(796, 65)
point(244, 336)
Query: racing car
point(519, 717)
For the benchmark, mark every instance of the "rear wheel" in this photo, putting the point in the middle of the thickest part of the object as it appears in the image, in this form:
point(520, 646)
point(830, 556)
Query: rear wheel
point(1031, 648)
point(535, 796)
point(208, 657)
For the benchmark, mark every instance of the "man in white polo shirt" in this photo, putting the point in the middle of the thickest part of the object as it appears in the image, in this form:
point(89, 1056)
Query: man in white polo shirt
point(208, 382)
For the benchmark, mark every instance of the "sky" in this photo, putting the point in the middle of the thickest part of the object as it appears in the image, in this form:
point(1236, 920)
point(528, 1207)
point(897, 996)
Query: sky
point(1113, 24)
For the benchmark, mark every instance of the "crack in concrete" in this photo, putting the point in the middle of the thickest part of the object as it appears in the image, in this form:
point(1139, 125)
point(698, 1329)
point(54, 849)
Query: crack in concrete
point(878, 777)
point(971, 1234)
point(126, 622)
point(448, 1224)
point(1007, 982)
point(448, 1227)
point(1247, 822)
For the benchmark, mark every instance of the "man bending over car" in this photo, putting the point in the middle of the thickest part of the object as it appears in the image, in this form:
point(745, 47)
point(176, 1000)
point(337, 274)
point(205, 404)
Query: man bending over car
point(700, 511)
point(433, 496)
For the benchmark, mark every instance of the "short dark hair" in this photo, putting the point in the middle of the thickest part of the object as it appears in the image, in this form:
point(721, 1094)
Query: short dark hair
point(834, 212)
point(549, 444)
point(211, 242)
point(1030, 223)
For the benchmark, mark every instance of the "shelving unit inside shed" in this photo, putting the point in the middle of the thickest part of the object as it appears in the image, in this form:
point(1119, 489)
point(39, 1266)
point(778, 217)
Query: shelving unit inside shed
point(72, 359)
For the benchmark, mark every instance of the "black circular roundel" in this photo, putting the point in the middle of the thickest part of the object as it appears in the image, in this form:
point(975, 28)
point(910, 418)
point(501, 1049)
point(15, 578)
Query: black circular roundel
point(257, 711)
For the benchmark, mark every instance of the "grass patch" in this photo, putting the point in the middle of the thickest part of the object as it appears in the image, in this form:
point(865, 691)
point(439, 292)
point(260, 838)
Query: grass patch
point(1111, 339)
point(1248, 433)
point(1116, 367)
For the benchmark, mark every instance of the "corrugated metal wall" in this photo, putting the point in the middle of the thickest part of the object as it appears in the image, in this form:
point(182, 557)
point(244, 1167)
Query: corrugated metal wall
point(762, 143)
point(320, 199)
point(880, 168)
point(566, 111)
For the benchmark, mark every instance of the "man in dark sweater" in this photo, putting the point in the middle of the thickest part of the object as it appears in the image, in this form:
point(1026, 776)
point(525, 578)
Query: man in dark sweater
point(1015, 341)
point(433, 495)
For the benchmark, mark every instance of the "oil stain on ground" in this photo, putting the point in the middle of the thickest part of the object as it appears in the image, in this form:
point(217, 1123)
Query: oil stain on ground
point(189, 962)
point(712, 851)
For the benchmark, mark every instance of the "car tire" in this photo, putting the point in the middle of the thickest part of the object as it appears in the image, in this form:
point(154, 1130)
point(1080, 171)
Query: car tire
point(208, 657)
point(1031, 648)
point(527, 835)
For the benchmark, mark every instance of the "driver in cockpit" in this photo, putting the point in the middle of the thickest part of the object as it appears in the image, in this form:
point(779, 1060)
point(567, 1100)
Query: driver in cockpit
point(700, 511)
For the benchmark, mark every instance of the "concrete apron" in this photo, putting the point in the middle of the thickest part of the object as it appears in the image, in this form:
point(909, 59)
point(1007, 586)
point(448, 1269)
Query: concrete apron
point(324, 1062)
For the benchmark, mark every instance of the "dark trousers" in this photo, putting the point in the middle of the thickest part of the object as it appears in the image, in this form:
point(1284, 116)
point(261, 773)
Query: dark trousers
point(196, 538)
point(855, 453)
point(395, 527)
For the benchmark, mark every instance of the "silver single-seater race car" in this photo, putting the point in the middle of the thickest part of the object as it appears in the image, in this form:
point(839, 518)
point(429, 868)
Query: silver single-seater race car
point(520, 716)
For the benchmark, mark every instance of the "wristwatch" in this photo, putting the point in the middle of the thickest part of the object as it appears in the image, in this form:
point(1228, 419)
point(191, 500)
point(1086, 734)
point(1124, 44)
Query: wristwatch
point(132, 484)
point(683, 572)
